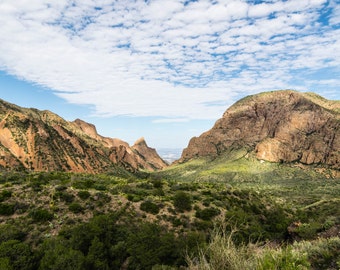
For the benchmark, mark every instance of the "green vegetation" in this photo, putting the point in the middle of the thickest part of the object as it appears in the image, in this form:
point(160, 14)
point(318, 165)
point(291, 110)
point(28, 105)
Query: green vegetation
point(149, 207)
point(182, 201)
point(230, 213)
point(222, 253)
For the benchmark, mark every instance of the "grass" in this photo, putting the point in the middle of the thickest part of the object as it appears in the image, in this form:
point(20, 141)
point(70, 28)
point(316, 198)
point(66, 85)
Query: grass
point(223, 254)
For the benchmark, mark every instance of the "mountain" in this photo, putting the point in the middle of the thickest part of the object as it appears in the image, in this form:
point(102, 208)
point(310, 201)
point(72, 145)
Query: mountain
point(280, 126)
point(42, 141)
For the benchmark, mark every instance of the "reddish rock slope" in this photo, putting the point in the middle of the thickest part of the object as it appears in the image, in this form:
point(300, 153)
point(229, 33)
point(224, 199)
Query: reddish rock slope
point(43, 141)
point(279, 126)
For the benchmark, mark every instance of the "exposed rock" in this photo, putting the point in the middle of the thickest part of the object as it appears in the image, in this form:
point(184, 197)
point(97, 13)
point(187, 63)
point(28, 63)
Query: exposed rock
point(152, 161)
point(279, 126)
point(42, 141)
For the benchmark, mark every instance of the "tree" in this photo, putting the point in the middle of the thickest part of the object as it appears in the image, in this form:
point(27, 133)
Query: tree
point(16, 255)
point(58, 255)
point(182, 201)
point(150, 245)
point(97, 258)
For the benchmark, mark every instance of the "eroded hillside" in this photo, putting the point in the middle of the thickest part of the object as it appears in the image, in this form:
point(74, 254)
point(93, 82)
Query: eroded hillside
point(43, 141)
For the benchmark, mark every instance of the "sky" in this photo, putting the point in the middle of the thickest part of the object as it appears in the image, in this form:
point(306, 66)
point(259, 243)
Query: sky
point(164, 70)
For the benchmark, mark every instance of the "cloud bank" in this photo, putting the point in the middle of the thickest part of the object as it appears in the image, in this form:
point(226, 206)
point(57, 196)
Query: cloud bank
point(167, 58)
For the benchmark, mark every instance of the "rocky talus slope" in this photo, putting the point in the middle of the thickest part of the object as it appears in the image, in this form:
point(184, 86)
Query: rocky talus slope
point(279, 126)
point(42, 141)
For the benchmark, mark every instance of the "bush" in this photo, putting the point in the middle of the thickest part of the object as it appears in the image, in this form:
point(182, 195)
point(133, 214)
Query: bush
point(207, 213)
point(84, 184)
point(84, 194)
point(75, 208)
point(149, 245)
point(7, 209)
point(66, 197)
point(283, 258)
point(11, 232)
point(16, 255)
point(58, 255)
point(41, 215)
point(308, 230)
point(157, 183)
point(149, 207)
point(4, 195)
point(182, 201)
point(322, 253)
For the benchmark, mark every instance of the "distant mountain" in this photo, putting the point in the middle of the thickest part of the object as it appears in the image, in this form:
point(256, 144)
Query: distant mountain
point(279, 126)
point(42, 141)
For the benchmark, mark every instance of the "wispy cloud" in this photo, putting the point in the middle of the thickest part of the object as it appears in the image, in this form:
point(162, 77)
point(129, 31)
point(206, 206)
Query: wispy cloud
point(170, 120)
point(173, 59)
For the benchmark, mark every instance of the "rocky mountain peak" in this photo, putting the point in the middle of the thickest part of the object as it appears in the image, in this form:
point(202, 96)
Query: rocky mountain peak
point(87, 128)
point(42, 141)
point(141, 142)
point(278, 126)
point(149, 154)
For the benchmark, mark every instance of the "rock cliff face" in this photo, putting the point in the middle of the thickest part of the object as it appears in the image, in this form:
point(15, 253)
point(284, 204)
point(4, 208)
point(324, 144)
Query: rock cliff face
point(148, 155)
point(43, 141)
point(279, 126)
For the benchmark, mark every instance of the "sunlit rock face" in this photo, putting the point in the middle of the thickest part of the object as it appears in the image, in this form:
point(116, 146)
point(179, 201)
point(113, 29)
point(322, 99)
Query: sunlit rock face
point(279, 126)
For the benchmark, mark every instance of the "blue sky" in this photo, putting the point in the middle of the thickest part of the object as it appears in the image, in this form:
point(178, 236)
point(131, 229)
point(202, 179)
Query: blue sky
point(163, 69)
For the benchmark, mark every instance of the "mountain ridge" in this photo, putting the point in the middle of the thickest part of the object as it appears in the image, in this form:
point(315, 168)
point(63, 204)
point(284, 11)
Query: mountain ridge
point(31, 139)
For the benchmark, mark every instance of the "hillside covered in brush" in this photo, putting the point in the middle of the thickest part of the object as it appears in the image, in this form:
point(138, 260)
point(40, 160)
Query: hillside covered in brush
point(42, 141)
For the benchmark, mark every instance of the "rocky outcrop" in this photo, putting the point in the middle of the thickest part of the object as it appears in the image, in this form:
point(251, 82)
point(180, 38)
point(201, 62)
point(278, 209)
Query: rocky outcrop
point(279, 126)
point(139, 156)
point(42, 141)
point(149, 155)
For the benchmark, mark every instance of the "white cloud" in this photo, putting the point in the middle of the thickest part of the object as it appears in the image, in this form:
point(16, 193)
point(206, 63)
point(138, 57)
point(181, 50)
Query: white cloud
point(164, 58)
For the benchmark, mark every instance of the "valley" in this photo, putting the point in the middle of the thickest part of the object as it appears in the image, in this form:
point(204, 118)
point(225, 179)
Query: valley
point(260, 190)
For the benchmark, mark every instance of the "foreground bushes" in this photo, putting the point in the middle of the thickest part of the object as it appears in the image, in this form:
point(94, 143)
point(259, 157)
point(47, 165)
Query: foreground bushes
point(109, 241)
point(100, 222)
point(113, 240)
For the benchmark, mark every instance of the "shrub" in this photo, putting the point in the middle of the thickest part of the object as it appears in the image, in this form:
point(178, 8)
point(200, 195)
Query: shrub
point(41, 215)
point(149, 245)
point(5, 194)
point(100, 187)
point(157, 183)
point(16, 255)
point(322, 253)
point(61, 188)
point(308, 230)
point(66, 197)
point(11, 232)
point(182, 201)
point(83, 184)
point(207, 213)
point(75, 208)
point(149, 207)
point(56, 254)
point(7, 209)
point(283, 258)
point(84, 194)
